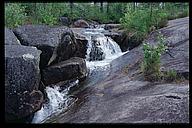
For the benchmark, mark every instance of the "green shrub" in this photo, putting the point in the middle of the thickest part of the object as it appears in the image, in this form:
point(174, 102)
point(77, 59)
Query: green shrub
point(140, 21)
point(44, 14)
point(14, 14)
point(151, 62)
point(171, 75)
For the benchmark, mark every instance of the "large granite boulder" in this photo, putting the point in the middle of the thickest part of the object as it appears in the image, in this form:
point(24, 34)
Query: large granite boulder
point(10, 38)
point(22, 78)
point(45, 38)
point(74, 67)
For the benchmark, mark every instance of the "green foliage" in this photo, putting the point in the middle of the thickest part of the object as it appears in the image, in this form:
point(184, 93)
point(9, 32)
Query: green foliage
point(171, 75)
point(14, 14)
point(176, 10)
point(140, 21)
point(45, 14)
point(151, 62)
point(136, 19)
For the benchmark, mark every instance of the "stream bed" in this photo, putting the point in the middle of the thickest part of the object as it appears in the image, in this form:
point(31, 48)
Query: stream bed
point(101, 50)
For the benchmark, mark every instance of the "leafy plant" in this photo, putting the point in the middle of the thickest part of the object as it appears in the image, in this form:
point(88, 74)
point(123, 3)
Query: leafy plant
point(14, 14)
point(140, 21)
point(171, 75)
point(151, 62)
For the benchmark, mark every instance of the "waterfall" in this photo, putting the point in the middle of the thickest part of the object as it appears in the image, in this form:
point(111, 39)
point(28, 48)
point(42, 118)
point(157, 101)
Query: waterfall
point(101, 50)
point(58, 101)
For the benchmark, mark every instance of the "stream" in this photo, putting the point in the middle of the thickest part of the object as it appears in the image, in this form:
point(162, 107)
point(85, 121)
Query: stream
point(101, 50)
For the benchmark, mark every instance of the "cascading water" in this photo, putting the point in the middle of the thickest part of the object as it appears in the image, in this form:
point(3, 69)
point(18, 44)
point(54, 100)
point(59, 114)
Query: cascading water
point(58, 101)
point(98, 43)
point(101, 50)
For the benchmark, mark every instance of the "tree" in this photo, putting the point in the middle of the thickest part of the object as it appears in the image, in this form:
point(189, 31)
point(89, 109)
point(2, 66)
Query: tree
point(71, 8)
point(101, 6)
point(107, 7)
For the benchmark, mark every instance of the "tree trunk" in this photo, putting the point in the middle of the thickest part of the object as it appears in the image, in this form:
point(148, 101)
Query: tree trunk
point(71, 8)
point(151, 12)
point(107, 7)
point(101, 8)
point(134, 6)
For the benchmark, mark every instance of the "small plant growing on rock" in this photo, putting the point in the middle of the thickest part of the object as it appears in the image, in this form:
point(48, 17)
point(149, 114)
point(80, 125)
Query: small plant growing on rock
point(171, 75)
point(151, 62)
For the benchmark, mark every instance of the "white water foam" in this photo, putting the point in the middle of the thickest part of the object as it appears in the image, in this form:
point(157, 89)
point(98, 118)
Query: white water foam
point(109, 47)
point(103, 64)
point(58, 102)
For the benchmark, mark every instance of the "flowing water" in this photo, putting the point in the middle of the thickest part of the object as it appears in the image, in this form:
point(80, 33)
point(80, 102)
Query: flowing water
point(98, 58)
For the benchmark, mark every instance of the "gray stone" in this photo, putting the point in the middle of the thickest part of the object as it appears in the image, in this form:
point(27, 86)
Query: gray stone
point(44, 37)
point(72, 68)
point(81, 43)
point(10, 38)
point(64, 21)
point(80, 24)
point(22, 78)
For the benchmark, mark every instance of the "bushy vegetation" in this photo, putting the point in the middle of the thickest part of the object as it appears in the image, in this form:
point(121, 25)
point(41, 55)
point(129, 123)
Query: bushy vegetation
point(171, 75)
point(140, 22)
point(151, 62)
point(49, 13)
point(14, 14)
point(146, 17)
point(138, 18)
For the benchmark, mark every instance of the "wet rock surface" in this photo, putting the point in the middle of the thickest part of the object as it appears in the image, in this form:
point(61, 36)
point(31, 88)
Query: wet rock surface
point(22, 78)
point(123, 39)
point(97, 52)
point(124, 97)
point(74, 67)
